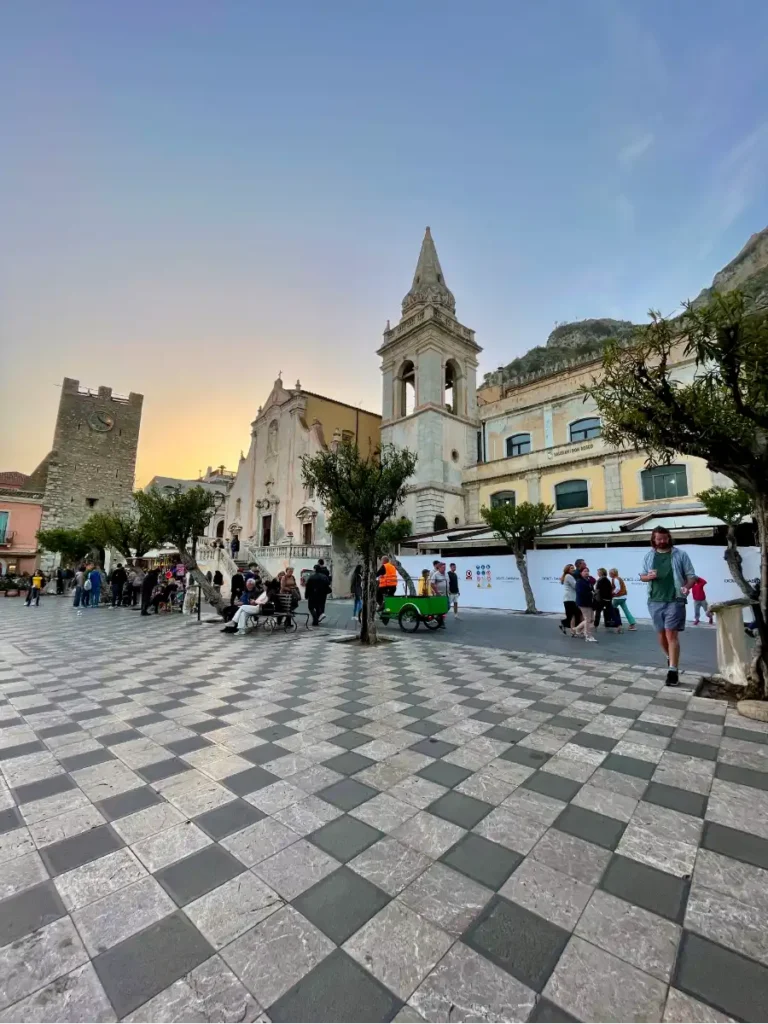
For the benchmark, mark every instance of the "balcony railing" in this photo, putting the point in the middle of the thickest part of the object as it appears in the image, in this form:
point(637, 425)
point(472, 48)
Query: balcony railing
point(6, 539)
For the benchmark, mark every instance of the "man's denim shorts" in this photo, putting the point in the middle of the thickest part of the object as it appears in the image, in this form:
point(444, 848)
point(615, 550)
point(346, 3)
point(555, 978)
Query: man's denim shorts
point(667, 615)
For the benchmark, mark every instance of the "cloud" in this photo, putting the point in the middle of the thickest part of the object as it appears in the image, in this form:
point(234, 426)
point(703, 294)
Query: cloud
point(631, 153)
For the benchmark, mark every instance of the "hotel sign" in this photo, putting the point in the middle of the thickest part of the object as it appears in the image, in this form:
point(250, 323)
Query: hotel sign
point(568, 451)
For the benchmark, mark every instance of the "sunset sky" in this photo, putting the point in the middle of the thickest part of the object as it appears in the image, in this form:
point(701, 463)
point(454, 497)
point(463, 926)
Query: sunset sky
point(195, 195)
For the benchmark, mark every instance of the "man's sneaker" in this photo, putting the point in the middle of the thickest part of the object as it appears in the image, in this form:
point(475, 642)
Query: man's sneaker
point(591, 639)
point(672, 678)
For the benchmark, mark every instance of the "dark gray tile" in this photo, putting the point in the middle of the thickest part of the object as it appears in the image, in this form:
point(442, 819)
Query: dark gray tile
point(518, 941)
point(351, 722)
point(462, 810)
point(347, 794)
point(417, 712)
point(351, 739)
point(488, 863)
point(146, 963)
point(476, 702)
point(275, 732)
point(677, 799)
point(433, 748)
point(742, 776)
point(196, 875)
point(77, 761)
point(10, 819)
point(467, 691)
point(646, 887)
point(181, 747)
point(596, 698)
point(678, 705)
point(750, 735)
point(352, 707)
point(722, 978)
point(424, 728)
point(286, 715)
point(349, 763)
point(553, 785)
point(444, 773)
point(341, 903)
point(733, 843)
point(126, 803)
point(264, 752)
point(703, 750)
point(29, 910)
point(338, 989)
point(595, 828)
point(593, 741)
point(58, 730)
point(504, 735)
point(629, 766)
point(414, 698)
point(86, 716)
point(702, 716)
point(114, 739)
point(345, 837)
point(80, 849)
point(545, 1012)
point(209, 726)
point(150, 718)
point(565, 722)
point(45, 787)
point(547, 708)
point(232, 817)
point(249, 781)
point(525, 755)
point(163, 769)
point(651, 729)
point(167, 705)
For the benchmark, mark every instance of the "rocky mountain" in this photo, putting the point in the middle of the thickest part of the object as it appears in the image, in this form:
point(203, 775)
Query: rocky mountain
point(583, 340)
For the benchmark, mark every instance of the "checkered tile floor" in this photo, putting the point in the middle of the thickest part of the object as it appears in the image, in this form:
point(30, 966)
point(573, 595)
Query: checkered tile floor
point(196, 828)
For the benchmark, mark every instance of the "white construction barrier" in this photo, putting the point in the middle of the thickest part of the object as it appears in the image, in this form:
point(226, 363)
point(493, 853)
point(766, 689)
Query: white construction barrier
point(493, 581)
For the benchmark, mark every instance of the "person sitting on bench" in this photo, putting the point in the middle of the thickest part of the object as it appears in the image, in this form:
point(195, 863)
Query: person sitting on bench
point(251, 602)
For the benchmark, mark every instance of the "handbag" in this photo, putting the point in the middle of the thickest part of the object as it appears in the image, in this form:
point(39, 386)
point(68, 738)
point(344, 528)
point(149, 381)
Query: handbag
point(87, 585)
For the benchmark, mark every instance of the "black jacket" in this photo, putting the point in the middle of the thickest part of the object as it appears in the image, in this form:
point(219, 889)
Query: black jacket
point(119, 577)
point(218, 579)
point(317, 586)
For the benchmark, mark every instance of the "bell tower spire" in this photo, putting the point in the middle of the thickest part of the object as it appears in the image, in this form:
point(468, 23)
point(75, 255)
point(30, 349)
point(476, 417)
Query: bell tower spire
point(429, 287)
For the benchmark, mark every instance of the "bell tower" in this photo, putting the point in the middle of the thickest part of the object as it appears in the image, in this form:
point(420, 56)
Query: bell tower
point(429, 380)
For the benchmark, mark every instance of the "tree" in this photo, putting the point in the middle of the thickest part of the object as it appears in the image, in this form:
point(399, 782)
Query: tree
point(128, 533)
point(174, 516)
point(71, 544)
point(731, 506)
point(721, 416)
point(361, 494)
point(517, 526)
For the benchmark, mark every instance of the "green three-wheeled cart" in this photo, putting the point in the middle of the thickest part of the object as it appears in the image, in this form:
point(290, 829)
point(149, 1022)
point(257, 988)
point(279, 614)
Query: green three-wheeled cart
point(412, 611)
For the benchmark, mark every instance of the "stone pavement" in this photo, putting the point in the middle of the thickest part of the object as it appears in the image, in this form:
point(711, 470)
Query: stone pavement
point(200, 828)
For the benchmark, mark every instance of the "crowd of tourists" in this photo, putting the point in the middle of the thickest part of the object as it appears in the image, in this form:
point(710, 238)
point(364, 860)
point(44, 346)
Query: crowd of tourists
point(251, 597)
point(670, 576)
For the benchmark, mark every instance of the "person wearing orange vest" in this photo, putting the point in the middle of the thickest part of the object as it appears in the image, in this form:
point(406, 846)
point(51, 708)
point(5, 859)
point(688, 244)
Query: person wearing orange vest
point(387, 575)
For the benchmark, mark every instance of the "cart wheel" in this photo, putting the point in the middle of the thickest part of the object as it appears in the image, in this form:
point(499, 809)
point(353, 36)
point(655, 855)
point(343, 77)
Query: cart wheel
point(432, 622)
point(409, 618)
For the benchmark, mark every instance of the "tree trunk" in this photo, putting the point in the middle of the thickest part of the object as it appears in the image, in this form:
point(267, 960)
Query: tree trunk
point(759, 669)
point(410, 589)
point(733, 559)
point(368, 632)
point(522, 565)
point(212, 596)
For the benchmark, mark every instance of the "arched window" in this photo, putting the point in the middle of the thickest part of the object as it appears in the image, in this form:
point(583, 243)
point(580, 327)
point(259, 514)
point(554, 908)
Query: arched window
point(582, 430)
point(452, 391)
point(518, 444)
point(238, 506)
point(500, 498)
point(220, 528)
point(405, 389)
point(664, 482)
point(440, 523)
point(571, 494)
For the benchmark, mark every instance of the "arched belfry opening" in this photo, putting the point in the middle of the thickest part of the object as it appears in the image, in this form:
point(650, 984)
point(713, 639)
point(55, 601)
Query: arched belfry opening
point(405, 389)
point(452, 388)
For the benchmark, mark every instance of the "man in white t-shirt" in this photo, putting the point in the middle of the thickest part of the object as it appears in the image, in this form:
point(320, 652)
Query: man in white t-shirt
point(439, 583)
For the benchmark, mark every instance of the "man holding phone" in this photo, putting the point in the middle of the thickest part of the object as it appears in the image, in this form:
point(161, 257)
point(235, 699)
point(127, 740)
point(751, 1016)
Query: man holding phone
point(669, 573)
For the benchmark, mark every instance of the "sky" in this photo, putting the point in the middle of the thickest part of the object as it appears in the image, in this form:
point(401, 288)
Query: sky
point(197, 196)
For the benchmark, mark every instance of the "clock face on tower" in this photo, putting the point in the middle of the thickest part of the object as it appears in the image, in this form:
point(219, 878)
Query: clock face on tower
point(101, 421)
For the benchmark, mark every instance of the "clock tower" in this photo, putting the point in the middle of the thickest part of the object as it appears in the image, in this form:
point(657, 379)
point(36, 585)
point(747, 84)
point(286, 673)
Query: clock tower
point(91, 467)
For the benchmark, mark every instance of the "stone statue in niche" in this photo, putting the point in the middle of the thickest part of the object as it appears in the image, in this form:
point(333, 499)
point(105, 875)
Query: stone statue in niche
point(272, 438)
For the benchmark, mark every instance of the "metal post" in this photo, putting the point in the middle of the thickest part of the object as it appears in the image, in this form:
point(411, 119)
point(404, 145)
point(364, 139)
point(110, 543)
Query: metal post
point(199, 600)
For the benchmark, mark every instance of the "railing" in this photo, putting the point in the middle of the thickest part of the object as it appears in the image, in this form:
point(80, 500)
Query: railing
point(6, 539)
point(254, 553)
point(210, 551)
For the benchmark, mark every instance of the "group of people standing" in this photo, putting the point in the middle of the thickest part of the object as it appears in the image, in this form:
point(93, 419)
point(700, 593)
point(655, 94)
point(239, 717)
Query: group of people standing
point(670, 576)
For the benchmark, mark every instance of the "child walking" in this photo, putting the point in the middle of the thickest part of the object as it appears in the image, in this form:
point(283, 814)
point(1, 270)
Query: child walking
point(700, 604)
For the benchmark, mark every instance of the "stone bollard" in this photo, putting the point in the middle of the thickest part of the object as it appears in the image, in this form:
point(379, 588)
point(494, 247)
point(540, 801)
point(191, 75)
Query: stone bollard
point(732, 654)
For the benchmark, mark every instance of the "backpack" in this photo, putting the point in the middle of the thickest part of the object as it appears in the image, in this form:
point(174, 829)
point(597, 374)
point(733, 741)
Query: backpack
point(88, 585)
